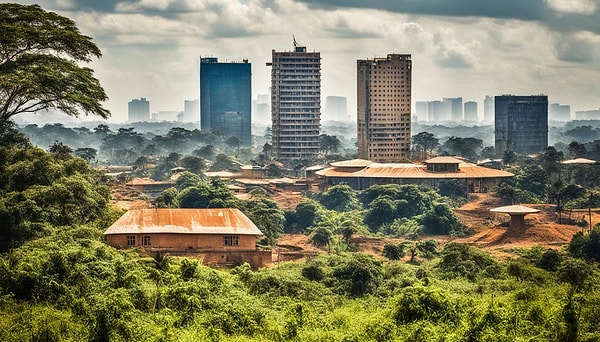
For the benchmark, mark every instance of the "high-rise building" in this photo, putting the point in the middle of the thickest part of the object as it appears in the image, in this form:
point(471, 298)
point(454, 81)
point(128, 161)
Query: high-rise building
point(191, 111)
point(421, 111)
point(226, 97)
point(559, 112)
point(521, 123)
point(593, 114)
point(488, 109)
point(471, 111)
point(138, 110)
point(295, 103)
point(336, 108)
point(384, 108)
point(455, 107)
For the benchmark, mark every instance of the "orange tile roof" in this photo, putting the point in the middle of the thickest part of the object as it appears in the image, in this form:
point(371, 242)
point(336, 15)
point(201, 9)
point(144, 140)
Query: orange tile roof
point(414, 171)
point(187, 221)
point(351, 163)
point(443, 160)
point(146, 181)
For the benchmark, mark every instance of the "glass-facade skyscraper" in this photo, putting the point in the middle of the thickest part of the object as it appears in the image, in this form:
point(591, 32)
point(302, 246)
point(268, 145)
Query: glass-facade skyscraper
point(521, 123)
point(226, 97)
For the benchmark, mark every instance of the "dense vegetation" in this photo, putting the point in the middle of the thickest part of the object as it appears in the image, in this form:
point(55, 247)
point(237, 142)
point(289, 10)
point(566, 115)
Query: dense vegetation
point(59, 281)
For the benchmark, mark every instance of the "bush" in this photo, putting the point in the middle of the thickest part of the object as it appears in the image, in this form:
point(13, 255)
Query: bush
point(423, 303)
point(459, 260)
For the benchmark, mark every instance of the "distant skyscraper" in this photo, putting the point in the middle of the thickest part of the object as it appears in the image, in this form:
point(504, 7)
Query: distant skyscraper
point(260, 109)
point(558, 112)
point(421, 111)
point(471, 111)
point(455, 106)
point(521, 123)
point(384, 108)
point(191, 111)
point(488, 109)
point(336, 108)
point(593, 114)
point(226, 97)
point(295, 103)
point(138, 110)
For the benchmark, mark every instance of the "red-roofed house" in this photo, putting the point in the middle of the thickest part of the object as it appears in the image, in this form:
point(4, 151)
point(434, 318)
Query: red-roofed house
point(218, 236)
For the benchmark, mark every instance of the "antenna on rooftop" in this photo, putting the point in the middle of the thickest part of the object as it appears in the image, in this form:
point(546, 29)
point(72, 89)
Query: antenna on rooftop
point(295, 42)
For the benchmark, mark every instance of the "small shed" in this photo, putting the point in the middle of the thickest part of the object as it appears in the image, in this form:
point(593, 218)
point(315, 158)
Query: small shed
point(517, 214)
point(222, 236)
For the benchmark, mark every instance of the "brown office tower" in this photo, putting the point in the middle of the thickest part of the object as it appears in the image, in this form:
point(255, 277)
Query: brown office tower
point(295, 103)
point(384, 102)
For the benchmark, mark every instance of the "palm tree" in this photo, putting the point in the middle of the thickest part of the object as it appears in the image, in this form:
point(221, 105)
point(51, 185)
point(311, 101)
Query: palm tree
point(320, 237)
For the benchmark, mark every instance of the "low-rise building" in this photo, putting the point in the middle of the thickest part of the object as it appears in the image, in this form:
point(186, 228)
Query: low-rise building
point(220, 236)
point(360, 174)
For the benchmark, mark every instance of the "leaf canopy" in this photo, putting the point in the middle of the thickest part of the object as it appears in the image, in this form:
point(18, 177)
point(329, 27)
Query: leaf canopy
point(39, 52)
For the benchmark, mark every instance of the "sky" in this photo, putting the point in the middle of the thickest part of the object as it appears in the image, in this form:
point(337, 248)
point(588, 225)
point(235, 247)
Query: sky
point(467, 48)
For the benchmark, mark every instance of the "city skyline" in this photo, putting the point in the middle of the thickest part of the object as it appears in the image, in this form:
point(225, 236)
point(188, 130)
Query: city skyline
point(464, 48)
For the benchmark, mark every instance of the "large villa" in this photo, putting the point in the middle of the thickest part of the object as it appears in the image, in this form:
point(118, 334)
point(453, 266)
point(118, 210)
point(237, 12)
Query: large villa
point(360, 174)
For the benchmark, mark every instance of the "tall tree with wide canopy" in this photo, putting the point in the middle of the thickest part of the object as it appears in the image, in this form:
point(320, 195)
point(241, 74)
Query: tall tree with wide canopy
point(39, 52)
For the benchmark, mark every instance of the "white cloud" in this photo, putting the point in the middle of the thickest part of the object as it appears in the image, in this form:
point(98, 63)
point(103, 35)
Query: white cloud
point(587, 7)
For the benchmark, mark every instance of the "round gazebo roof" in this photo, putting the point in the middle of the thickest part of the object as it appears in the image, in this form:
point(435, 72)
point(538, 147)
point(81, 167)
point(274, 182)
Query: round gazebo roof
point(515, 210)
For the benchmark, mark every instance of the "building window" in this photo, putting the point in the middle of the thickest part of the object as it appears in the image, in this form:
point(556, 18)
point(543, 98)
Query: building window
point(130, 240)
point(231, 240)
point(146, 240)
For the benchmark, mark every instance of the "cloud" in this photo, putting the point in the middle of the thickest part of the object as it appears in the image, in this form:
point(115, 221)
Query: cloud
point(581, 47)
point(450, 53)
point(586, 7)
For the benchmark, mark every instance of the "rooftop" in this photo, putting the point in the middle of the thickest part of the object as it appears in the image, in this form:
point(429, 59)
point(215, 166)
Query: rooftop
point(189, 221)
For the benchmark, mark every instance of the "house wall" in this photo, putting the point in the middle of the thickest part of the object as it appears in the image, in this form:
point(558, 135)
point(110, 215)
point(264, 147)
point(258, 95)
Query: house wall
point(183, 242)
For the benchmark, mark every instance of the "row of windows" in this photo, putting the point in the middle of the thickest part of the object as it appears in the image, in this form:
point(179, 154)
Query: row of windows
point(228, 240)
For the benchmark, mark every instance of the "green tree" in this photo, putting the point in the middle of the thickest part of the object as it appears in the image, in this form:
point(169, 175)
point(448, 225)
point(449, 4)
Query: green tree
point(321, 237)
point(465, 147)
point(577, 150)
point(86, 153)
point(340, 197)
point(38, 64)
point(425, 143)
point(267, 216)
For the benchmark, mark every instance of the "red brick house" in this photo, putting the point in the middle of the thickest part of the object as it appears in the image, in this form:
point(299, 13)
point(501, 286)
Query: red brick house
point(217, 236)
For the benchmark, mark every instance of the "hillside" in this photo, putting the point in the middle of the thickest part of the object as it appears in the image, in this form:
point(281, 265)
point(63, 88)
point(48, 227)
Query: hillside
point(492, 231)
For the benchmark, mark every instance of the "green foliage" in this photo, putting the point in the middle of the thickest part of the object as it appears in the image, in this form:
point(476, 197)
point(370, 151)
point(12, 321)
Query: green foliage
point(459, 260)
point(441, 220)
point(213, 194)
point(40, 188)
point(339, 197)
point(586, 246)
point(39, 52)
point(422, 303)
point(306, 214)
point(266, 215)
point(393, 251)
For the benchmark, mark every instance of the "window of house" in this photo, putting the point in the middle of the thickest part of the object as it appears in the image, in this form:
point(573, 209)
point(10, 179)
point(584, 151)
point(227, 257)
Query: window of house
point(232, 240)
point(131, 240)
point(146, 240)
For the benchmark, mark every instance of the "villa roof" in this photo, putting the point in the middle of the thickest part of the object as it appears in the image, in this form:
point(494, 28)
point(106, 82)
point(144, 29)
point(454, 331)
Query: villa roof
point(414, 171)
point(444, 160)
point(184, 221)
point(351, 163)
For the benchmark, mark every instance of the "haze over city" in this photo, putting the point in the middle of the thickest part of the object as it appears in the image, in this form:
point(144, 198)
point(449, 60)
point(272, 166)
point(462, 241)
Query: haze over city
point(466, 48)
